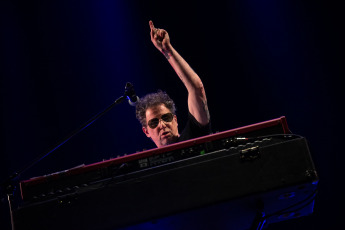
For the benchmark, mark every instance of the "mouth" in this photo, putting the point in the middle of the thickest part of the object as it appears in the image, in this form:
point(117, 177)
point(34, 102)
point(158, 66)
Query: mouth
point(165, 134)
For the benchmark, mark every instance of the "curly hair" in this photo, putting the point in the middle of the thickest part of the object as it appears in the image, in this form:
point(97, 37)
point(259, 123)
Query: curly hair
point(151, 100)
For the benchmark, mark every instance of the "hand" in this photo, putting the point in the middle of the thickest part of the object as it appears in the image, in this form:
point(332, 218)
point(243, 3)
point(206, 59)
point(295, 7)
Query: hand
point(160, 38)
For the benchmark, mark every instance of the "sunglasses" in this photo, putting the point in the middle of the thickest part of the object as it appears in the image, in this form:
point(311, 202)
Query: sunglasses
point(153, 123)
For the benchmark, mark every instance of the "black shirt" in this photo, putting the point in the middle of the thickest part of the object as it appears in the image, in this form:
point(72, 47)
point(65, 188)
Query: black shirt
point(194, 129)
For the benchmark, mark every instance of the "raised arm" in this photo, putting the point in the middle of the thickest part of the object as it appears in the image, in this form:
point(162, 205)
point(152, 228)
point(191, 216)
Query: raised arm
point(197, 102)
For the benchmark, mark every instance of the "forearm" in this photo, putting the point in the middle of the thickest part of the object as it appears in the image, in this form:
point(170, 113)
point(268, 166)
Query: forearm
point(187, 75)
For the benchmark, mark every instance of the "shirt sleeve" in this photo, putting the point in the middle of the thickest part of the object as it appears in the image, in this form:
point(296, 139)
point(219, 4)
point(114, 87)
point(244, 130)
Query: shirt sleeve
point(194, 129)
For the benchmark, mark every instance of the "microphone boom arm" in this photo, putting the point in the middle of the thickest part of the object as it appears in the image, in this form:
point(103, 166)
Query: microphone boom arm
point(9, 185)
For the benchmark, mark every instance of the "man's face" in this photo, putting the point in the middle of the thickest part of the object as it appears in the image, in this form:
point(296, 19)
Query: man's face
point(166, 132)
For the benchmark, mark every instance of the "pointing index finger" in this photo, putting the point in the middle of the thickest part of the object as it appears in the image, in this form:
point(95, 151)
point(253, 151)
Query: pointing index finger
point(152, 27)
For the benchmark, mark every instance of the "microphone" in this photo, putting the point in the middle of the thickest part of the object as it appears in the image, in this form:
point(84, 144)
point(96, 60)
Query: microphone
point(130, 94)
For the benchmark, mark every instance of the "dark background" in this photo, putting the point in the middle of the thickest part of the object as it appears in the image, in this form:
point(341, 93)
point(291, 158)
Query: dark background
point(64, 61)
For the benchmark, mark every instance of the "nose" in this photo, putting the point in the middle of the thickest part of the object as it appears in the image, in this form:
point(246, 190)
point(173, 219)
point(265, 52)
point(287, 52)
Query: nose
point(161, 124)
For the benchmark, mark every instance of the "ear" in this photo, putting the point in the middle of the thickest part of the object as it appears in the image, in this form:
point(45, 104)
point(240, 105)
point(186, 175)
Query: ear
point(175, 118)
point(146, 131)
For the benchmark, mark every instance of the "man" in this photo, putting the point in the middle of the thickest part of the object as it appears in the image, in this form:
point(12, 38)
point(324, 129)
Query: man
point(156, 112)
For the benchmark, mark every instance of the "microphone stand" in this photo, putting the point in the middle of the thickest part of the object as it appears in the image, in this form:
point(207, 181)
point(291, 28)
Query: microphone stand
point(10, 184)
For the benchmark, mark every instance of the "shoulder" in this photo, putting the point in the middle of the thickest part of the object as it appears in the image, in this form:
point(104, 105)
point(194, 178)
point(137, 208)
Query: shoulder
point(194, 129)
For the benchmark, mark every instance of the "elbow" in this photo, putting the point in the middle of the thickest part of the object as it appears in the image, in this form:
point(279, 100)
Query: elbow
point(200, 90)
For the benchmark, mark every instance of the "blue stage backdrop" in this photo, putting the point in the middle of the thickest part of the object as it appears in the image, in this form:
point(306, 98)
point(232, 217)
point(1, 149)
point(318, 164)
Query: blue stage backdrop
point(65, 61)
